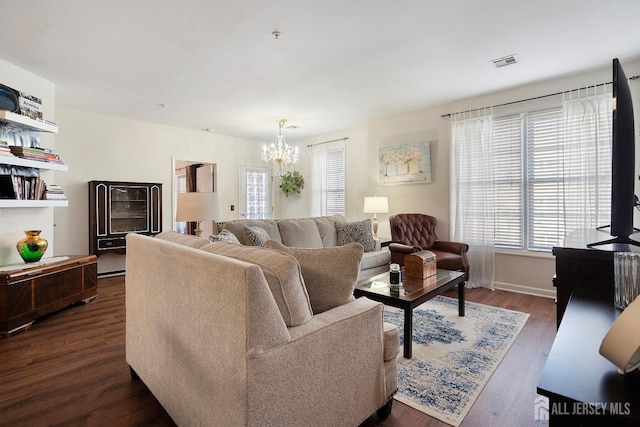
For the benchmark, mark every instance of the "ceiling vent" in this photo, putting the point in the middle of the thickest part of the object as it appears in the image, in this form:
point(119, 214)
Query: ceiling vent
point(504, 61)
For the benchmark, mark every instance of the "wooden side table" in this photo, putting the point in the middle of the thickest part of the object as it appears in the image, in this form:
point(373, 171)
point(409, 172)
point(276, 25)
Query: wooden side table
point(29, 292)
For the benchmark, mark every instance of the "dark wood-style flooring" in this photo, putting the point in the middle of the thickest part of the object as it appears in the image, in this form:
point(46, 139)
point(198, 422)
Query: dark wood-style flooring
point(69, 369)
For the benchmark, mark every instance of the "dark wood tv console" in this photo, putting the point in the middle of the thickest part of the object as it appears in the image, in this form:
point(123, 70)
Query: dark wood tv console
point(578, 265)
point(583, 388)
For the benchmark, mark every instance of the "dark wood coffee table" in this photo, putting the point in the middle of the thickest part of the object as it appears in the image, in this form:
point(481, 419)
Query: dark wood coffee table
point(411, 295)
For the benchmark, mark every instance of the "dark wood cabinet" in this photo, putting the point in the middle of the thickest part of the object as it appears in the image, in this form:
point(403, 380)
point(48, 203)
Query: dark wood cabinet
point(29, 292)
point(118, 208)
point(578, 265)
point(576, 379)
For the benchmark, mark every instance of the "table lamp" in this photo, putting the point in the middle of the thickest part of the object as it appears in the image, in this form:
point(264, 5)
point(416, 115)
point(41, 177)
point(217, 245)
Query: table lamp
point(621, 344)
point(198, 207)
point(375, 205)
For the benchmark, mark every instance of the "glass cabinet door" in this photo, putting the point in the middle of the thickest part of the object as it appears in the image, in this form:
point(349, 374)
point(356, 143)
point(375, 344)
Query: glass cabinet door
point(129, 209)
point(117, 208)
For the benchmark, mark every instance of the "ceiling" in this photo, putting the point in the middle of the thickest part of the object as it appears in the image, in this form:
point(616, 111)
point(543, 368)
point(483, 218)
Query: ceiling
point(212, 64)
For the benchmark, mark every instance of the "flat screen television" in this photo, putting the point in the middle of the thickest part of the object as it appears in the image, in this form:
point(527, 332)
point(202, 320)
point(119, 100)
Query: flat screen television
point(623, 162)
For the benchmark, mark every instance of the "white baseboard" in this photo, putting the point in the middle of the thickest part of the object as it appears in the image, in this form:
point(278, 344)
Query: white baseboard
point(529, 290)
point(111, 273)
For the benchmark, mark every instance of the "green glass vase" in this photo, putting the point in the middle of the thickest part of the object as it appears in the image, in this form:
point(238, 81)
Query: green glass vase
point(32, 247)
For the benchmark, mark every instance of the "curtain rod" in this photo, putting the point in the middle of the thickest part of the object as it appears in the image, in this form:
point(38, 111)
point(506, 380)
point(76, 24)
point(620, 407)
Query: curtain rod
point(535, 97)
point(326, 142)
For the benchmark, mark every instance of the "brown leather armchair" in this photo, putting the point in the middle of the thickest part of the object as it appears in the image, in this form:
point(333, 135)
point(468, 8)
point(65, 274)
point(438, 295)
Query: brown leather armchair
point(417, 232)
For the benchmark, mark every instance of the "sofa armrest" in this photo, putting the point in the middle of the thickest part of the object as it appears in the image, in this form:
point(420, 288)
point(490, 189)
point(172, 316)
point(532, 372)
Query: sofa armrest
point(359, 307)
point(453, 247)
point(339, 352)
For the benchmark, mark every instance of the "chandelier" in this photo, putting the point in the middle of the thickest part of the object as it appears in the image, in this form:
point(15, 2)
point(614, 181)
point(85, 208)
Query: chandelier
point(279, 155)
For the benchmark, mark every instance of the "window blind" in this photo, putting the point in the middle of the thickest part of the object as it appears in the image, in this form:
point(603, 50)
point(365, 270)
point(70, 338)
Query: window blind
point(335, 181)
point(545, 177)
point(328, 174)
point(548, 166)
point(509, 185)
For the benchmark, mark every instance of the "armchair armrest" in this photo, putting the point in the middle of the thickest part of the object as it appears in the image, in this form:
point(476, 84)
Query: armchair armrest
point(401, 248)
point(453, 247)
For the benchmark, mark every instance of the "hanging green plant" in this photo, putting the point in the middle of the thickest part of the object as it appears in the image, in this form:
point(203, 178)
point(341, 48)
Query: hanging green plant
point(292, 183)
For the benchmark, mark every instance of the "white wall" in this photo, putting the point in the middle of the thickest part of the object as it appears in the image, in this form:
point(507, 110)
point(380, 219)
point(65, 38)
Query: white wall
point(99, 147)
point(531, 273)
point(13, 221)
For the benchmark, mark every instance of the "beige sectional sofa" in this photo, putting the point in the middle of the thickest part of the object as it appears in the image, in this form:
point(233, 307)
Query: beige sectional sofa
point(230, 335)
point(313, 232)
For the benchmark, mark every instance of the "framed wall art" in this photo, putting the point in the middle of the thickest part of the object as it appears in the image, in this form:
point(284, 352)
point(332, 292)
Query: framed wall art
point(405, 163)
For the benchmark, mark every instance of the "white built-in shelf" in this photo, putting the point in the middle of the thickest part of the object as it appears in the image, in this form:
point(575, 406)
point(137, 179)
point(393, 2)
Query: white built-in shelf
point(39, 126)
point(27, 122)
point(9, 203)
point(19, 161)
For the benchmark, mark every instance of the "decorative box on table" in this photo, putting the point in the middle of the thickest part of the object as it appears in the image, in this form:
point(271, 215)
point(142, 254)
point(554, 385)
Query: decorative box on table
point(420, 265)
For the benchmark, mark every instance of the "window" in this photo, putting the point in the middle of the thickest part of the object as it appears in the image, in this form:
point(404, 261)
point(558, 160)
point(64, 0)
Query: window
point(524, 181)
point(335, 182)
point(181, 187)
point(550, 170)
point(328, 179)
point(254, 192)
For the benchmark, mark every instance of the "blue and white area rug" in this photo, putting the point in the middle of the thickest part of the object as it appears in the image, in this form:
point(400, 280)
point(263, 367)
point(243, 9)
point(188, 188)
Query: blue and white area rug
point(453, 357)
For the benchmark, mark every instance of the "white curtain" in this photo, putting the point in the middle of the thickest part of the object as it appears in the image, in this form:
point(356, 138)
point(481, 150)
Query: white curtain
point(472, 200)
point(587, 160)
point(319, 180)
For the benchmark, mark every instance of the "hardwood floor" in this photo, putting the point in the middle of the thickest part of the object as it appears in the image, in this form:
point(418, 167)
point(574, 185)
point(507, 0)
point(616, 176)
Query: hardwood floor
point(70, 370)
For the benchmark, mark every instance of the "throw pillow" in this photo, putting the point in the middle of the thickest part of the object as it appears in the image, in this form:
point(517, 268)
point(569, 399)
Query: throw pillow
point(225, 236)
point(358, 232)
point(330, 274)
point(256, 236)
point(301, 233)
point(283, 276)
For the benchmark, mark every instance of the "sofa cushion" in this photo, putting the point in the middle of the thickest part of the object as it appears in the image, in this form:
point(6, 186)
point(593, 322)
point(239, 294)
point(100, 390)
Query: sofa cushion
point(375, 259)
point(300, 233)
point(183, 239)
point(255, 236)
point(358, 232)
point(283, 275)
point(225, 236)
point(330, 274)
point(327, 228)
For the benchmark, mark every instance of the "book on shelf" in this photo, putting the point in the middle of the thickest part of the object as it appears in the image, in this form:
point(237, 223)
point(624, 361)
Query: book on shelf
point(33, 153)
point(16, 187)
point(54, 192)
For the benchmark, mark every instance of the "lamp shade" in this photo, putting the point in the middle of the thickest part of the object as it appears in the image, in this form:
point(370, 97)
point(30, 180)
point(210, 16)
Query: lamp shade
point(198, 207)
point(376, 204)
point(621, 344)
